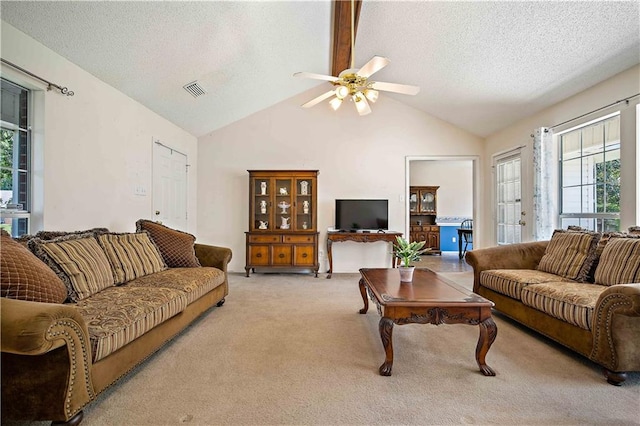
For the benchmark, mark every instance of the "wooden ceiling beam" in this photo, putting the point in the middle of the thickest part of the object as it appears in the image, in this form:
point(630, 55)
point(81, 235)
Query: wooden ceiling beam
point(341, 59)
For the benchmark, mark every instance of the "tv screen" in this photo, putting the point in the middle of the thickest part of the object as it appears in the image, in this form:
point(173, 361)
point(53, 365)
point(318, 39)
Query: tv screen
point(352, 215)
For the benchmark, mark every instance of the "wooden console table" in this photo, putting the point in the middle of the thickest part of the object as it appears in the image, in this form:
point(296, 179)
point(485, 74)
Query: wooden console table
point(359, 237)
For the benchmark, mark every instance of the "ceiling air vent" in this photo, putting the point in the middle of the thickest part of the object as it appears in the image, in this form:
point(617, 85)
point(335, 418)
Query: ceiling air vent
point(194, 89)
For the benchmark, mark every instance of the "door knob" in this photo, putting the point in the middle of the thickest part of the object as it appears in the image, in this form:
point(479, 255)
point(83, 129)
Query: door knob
point(522, 222)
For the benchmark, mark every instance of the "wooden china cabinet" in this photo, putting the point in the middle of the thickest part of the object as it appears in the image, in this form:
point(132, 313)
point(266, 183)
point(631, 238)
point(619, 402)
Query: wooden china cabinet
point(423, 209)
point(283, 222)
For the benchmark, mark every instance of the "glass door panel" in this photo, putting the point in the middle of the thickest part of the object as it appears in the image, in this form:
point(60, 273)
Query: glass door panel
point(284, 204)
point(303, 206)
point(262, 189)
point(509, 211)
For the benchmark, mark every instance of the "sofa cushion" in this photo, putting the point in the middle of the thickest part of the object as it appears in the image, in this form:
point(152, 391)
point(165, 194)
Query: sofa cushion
point(569, 301)
point(118, 315)
point(175, 246)
point(131, 255)
point(25, 277)
point(510, 282)
point(78, 260)
point(619, 262)
point(193, 281)
point(570, 254)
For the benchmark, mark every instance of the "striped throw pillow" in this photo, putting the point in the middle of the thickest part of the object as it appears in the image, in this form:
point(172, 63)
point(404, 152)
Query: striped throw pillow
point(570, 254)
point(620, 262)
point(131, 255)
point(78, 260)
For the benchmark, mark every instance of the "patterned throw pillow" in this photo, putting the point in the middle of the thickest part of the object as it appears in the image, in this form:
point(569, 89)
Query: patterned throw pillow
point(620, 262)
point(176, 247)
point(570, 254)
point(78, 260)
point(50, 235)
point(634, 230)
point(23, 276)
point(131, 255)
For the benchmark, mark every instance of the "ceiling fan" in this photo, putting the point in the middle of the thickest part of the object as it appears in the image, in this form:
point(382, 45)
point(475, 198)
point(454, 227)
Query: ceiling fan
point(353, 83)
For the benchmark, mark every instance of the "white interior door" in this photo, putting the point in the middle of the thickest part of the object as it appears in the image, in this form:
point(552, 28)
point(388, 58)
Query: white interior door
point(509, 209)
point(169, 187)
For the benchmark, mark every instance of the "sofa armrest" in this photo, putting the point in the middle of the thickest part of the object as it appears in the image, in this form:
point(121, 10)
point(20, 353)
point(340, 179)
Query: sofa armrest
point(213, 256)
point(513, 256)
point(49, 348)
point(616, 328)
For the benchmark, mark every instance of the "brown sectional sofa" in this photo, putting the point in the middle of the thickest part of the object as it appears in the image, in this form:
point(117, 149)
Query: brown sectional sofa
point(58, 357)
point(598, 321)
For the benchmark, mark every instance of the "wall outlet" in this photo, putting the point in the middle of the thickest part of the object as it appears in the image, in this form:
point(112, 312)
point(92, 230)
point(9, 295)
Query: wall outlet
point(453, 239)
point(320, 253)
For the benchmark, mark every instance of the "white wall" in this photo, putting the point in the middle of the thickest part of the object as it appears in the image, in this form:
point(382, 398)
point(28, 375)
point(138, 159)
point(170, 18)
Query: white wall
point(358, 157)
point(618, 87)
point(97, 145)
point(455, 179)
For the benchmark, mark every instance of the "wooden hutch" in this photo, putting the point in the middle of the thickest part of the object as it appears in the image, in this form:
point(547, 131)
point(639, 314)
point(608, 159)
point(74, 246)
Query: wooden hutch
point(283, 222)
point(423, 209)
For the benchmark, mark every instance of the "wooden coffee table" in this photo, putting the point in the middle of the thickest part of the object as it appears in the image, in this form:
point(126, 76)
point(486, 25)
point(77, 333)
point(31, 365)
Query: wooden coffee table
point(429, 299)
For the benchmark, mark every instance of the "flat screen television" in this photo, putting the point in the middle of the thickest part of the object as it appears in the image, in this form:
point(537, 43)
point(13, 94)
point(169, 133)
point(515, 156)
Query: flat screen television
point(354, 215)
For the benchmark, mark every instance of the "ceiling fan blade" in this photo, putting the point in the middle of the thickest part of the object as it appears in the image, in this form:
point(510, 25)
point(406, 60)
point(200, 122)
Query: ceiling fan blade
point(405, 89)
point(319, 99)
point(374, 65)
point(315, 76)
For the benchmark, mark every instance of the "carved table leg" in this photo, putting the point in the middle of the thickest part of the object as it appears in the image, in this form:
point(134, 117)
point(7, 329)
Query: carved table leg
point(386, 334)
point(488, 333)
point(363, 293)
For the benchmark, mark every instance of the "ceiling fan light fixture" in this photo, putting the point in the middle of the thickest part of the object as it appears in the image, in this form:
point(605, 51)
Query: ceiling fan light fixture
point(361, 103)
point(342, 92)
point(335, 103)
point(372, 95)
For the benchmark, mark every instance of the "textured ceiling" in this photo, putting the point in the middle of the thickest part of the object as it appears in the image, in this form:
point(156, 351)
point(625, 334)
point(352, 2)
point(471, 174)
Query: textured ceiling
point(480, 65)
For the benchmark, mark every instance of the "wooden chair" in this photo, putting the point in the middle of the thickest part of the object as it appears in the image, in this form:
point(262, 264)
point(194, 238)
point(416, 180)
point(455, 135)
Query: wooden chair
point(467, 237)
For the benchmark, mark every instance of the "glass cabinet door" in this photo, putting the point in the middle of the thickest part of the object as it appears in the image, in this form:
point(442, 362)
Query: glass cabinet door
point(413, 201)
point(262, 204)
point(283, 208)
point(427, 201)
point(304, 207)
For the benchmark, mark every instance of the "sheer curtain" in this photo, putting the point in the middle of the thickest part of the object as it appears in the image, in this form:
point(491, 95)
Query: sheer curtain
point(545, 184)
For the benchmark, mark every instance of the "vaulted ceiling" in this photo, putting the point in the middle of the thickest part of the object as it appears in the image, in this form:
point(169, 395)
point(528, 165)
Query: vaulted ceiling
point(480, 65)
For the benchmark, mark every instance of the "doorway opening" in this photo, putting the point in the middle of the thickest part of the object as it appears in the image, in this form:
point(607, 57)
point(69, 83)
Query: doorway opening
point(456, 199)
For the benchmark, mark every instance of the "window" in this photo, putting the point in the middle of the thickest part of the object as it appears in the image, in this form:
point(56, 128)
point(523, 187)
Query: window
point(590, 175)
point(15, 159)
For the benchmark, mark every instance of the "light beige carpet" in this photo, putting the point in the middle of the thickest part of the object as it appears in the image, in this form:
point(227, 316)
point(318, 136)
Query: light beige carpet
point(292, 349)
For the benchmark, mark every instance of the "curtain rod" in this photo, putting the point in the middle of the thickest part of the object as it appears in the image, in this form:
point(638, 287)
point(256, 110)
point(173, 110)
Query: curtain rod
point(596, 110)
point(63, 90)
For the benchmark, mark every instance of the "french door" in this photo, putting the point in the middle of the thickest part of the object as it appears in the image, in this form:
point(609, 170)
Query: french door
point(509, 210)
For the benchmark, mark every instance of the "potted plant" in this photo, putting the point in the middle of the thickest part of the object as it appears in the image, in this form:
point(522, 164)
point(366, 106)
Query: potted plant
point(408, 253)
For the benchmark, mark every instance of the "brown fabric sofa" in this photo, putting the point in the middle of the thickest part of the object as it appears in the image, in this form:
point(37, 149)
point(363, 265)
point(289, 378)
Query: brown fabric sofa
point(600, 322)
point(58, 357)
